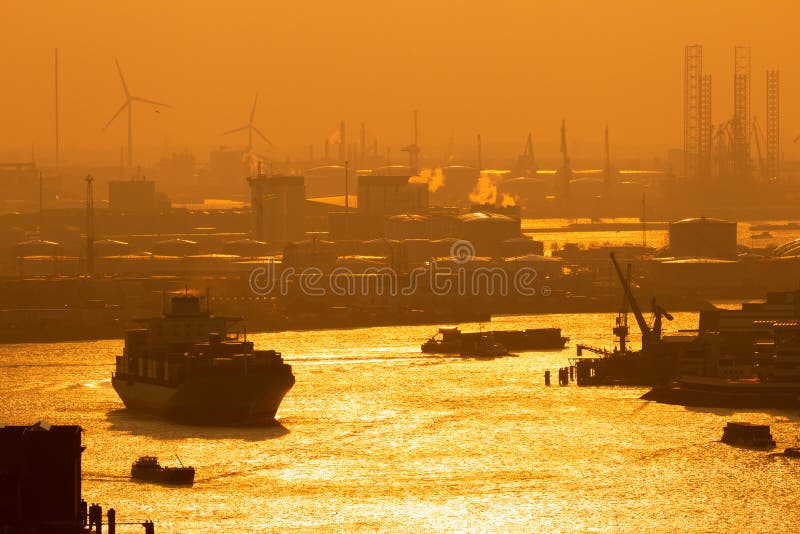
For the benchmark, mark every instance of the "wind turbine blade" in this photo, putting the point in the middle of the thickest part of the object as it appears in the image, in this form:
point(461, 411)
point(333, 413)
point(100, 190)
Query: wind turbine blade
point(126, 104)
point(146, 101)
point(264, 137)
point(122, 79)
point(253, 111)
point(235, 130)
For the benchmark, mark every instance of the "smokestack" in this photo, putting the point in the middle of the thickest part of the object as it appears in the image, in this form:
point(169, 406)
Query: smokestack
point(480, 154)
point(89, 224)
point(607, 160)
point(565, 170)
point(57, 140)
point(327, 150)
point(41, 203)
point(342, 143)
point(257, 203)
point(346, 187)
point(363, 141)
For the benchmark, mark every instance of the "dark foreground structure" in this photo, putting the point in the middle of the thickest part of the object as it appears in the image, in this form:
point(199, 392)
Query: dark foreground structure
point(40, 483)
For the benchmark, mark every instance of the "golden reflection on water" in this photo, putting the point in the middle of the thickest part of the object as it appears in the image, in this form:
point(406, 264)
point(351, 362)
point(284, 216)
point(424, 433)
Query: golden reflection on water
point(375, 436)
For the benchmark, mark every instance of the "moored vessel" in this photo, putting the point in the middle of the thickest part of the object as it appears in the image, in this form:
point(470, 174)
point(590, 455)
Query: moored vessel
point(775, 384)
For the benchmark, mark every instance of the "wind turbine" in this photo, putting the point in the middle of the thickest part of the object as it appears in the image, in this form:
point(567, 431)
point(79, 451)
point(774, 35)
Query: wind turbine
point(129, 100)
point(250, 129)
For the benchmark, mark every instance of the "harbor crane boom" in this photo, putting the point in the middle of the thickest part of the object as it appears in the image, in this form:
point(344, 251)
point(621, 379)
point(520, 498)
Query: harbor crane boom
point(646, 332)
point(649, 335)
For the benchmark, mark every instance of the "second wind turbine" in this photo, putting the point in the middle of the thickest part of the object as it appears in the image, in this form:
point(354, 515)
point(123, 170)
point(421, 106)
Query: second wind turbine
point(129, 100)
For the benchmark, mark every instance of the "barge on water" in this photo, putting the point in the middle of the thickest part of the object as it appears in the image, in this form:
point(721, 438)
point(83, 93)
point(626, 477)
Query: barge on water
point(451, 340)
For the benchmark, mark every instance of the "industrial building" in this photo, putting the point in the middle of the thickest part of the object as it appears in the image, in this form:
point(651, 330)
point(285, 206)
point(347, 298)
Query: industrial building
point(278, 206)
point(132, 195)
point(389, 195)
point(40, 478)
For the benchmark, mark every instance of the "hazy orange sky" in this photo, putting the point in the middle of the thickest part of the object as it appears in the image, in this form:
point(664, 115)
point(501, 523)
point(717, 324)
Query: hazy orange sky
point(499, 68)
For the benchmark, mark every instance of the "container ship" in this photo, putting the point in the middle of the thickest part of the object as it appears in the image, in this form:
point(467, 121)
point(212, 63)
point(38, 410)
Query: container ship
point(185, 366)
point(451, 340)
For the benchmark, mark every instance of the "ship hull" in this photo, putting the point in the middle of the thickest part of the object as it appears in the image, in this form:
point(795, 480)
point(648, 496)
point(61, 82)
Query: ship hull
point(721, 394)
point(208, 399)
point(165, 475)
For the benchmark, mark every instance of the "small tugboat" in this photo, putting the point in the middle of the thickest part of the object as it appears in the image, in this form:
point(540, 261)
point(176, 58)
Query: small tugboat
point(147, 469)
point(748, 435)
point(792, 452)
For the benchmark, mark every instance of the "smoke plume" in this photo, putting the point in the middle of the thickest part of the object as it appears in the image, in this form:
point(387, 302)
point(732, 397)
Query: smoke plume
point(253, 162)
point(433, 177)
point(485, 191)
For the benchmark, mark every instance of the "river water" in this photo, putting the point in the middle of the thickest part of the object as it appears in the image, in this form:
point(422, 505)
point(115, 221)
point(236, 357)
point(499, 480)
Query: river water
point(377, 437)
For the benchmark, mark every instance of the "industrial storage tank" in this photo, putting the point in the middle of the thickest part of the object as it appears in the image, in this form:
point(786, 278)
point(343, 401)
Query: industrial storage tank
point(792, 248)
point(176, 247)
point(111, 247)
point(246, 247)
point(39, 247)
point(487, 230)
point(521, 246)
point(310, 253)
point(702, 238)
point(417, 251)
point(327, 181)
point(408, 226)
point(373, 247)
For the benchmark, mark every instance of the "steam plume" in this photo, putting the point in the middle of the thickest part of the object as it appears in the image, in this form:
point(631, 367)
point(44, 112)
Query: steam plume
point(433, 177)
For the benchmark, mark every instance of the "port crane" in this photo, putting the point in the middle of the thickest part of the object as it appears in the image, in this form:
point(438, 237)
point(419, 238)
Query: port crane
point(651, 335)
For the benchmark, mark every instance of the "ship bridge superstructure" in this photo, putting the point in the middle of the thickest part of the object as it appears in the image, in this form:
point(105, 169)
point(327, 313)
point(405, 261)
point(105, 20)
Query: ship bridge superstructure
point(185, 321)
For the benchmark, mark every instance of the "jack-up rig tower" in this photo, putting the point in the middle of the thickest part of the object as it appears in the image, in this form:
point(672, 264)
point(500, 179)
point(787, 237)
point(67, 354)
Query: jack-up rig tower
point(773, 167)
point(90, 224)
point(697, 129)
point(741, 114)
point(566, 171)
point(413, 148)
